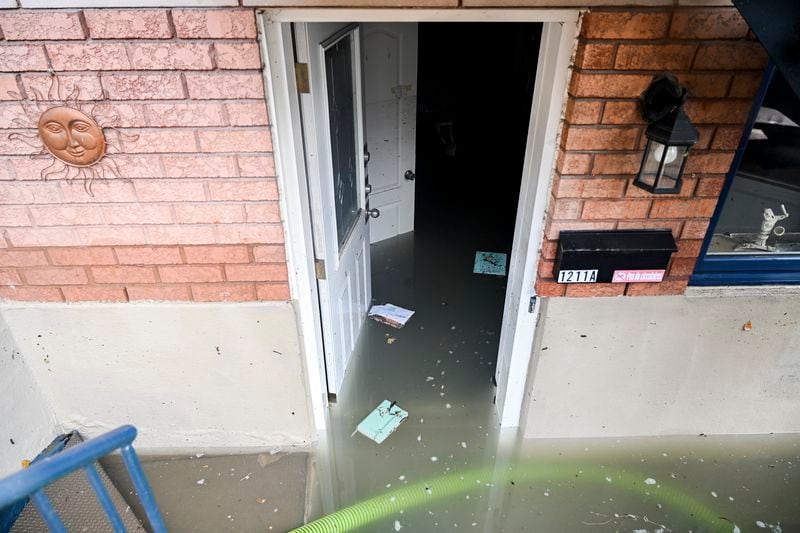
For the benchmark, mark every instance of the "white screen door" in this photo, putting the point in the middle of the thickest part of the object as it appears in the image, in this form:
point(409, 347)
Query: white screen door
point(334, 125)
point(390, 92)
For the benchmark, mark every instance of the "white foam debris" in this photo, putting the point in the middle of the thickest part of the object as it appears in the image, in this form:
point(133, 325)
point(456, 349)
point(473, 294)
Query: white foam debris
point(247, 476)
point(452, 327)
point(736, 529)
point(463, 444)
point(714, 494)
point(650, 481)
point(402, 478)
point(201, 481)
point(447, 406)
point(434, 459)
point(761, 524)
point(609, 479)
point(730, 498)
point(419, 438)
point(397, 525)
point(199, 455)
point(429, 378)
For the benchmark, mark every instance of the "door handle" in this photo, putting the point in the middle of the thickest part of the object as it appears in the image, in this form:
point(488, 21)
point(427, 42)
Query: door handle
point(372, 213)
point(367, 189)
point(409, 175)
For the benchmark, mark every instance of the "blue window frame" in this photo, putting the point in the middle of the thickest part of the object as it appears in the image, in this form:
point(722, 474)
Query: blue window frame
point(743, 268)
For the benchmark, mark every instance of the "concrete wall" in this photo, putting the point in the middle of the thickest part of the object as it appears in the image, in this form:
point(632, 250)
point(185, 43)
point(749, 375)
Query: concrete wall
point(186, 375)
point(27, 422)
point(670, 365)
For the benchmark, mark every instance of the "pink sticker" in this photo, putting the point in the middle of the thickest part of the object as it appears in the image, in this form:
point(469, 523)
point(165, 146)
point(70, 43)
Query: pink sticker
point(637, 276)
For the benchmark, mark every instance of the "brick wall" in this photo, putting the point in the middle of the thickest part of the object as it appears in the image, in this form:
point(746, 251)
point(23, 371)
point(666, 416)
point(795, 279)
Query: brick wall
point(193, 214)
point(714, 55)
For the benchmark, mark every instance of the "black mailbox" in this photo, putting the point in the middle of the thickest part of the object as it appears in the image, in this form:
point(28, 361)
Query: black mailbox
point(615, 256)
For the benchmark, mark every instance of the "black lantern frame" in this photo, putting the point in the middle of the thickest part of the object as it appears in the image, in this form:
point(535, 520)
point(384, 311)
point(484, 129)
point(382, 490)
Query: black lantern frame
point(670, 136)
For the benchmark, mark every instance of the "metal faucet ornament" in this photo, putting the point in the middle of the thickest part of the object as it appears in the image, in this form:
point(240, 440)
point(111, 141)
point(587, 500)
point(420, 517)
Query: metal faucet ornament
point(768, 226)
point(72, 134)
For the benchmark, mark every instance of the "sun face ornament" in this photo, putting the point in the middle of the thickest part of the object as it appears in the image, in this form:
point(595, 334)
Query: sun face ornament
point(72, 135)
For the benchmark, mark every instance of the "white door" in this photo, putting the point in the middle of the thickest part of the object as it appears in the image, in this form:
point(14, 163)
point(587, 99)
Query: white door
point(390, 92)
point(334, 127)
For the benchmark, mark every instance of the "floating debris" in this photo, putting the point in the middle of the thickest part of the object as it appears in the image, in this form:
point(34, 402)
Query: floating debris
point(747, 326)
point(390, 314)
point(382, 421)
point(201, 481)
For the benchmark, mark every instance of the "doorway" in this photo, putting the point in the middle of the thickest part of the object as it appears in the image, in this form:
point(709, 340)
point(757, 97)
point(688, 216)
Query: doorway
point(523, 207)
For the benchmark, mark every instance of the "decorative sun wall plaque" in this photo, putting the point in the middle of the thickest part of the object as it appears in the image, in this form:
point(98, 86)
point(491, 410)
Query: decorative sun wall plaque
point(72, 134)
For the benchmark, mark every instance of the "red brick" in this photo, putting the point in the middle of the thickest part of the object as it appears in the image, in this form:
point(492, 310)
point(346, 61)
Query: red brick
point(88, 56)
point(55, 276)
point(30, 193)
point(170, 56)
point(731, 56)
point(566, 209)
point(224, 292)
point(14, 216)
point(557, 227)
point(710, 163)
point(695, 229)
point(726, 111)
point(586, 138)
point(164, 86)
point(250, 234)
point(588, 85)
point(29, 237)
point(269, 254)
point(81, 86)
point(138, 166)
point(595, 56)
point(259, 190)
point(683, 208)
point(95, 293)
point(269, 212)
point(237, 55)
point(702, 85)
point(654, 56)
point(209, 213)
point(252, 166)
point(200, 166)
point(581, 290)
point(545, 269)
point(263, 272)
point(216, 254)
point(686, 191)
point(22, 58)
point(39, 26)
point(273, 291)
point(549, 249)
point(666, 287)
point(247, 113)
point(103, 191)
point(689, 248)
point(169, 190)
point(711, 23)
point(682, 266)
point(192, 114)
point(161, 140)
point(746, 85)
point(128, 23)
point(110, 236)
point(673, 225)
point(160, 292)
point(727, 138)
point(617, 163)
point(9, 276)
point(710, 186)
point(13, 145)
point(615, 209)
point(121, 115)
point(149, 255)
point(190, 273)
point(227, 85)
point(8, 84)
point(547, 288)
point(124, 274)
point(72, 215)
point(22, 258)
point(622, 113)
point(215, 24)
point(584, 111)
point(235, 140)
point(572, 163)
point(189, 234)
point(31, 294)
point(625, 25)
point(82, 256)
point(591, 188)
point(138, 214)
point(704, 135)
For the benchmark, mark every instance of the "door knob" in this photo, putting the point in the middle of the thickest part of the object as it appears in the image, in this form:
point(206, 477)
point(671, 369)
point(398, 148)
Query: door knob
point(409, 175)
point(374, 212)
point(368, 188)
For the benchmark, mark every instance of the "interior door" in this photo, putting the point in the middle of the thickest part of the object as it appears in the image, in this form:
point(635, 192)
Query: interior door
point(334, 136)
point(390, 74)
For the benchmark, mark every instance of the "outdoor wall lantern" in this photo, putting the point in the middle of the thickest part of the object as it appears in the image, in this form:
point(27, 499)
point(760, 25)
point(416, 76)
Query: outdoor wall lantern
point(670, 136)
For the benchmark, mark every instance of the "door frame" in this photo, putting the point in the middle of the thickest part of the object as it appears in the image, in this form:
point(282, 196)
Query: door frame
point(520, 316)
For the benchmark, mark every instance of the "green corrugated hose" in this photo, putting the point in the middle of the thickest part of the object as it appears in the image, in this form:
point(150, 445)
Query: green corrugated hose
point(410, 496)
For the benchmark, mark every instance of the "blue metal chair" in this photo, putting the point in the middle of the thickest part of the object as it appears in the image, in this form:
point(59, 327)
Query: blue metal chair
point(31, 481)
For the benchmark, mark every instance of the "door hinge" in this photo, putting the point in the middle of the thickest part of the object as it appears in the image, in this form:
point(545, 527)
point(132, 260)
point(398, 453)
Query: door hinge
point(319, 268)
point(301, 76)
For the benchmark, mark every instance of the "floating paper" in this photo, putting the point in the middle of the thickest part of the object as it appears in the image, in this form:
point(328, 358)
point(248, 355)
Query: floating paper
point(493, 263)
point(391, 315)
point(382, 421)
